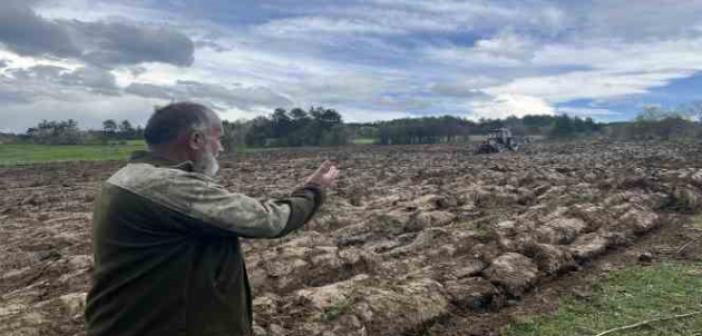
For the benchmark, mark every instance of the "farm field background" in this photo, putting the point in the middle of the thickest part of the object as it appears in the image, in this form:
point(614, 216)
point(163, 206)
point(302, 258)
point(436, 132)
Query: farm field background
point(22, 154)
point(28, 154)
point(414, 240)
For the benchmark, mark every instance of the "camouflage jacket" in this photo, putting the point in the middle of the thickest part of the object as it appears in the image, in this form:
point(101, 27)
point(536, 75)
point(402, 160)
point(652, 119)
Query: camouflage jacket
point(167, 253)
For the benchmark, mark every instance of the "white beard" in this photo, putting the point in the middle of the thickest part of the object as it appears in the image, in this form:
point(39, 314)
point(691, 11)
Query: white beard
point(207, 164)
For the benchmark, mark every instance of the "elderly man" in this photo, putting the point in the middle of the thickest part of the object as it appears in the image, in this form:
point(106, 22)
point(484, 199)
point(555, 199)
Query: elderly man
point(166, 235)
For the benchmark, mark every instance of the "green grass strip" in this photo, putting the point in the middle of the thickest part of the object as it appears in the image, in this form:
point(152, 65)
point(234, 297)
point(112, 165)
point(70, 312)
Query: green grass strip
point(627, 297)
point(16, 154)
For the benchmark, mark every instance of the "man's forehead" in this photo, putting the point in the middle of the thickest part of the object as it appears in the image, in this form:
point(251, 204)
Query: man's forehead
point(215, 122)
point(214, 117)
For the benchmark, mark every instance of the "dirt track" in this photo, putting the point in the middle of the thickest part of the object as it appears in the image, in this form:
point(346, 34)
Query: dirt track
point(411, 236)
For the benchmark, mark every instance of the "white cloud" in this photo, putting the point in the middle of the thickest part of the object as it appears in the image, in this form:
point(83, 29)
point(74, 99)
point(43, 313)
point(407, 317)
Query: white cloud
point(305, 79)
point(587, 85)
point(235, 96)
point(454, 16)
point(469, 57)
point(671, 54)
point(17, 61)
point(506, 44)
point(616, 70)
point(102, 43)
point(314, 24)
point(371, 115)
point(642, 19)
point(54, 82)
point(88, 111)
point(505, 105)
point(385, 58)
point(468, 88)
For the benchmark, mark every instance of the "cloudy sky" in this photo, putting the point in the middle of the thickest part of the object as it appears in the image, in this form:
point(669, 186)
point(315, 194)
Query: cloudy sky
point(92, 60)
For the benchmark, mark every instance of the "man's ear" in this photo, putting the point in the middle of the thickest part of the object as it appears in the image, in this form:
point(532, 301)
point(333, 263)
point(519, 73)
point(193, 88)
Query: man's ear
point(196, 140)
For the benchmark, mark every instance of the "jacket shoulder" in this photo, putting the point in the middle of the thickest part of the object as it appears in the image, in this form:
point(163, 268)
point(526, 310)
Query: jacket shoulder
point(160, 184)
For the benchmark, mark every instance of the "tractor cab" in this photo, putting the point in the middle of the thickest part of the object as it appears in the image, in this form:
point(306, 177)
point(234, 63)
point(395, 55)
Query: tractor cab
point(498, 140)
point(502, 135)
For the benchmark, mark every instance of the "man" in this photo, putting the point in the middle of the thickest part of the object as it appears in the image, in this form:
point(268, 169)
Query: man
point(167, 254)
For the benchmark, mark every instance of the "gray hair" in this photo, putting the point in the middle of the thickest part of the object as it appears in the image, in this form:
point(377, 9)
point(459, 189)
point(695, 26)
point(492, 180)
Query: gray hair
point(169, 121)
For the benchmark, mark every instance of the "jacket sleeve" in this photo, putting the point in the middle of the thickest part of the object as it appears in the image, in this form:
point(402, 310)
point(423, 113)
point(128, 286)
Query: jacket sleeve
point(304, 203)
point(212, 204)
point(214, 209)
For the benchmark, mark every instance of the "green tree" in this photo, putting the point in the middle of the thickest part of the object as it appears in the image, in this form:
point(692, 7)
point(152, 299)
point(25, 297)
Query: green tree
point(323, 120)
point(126, 130)
point(235, 135)
point(591, 126)
point(300, 123)
point(367, 132)
point(260, 131)
point(56, 133)
point(336, 136)
point(281, 123)
point(656, 122)
point(563, 127)
point(658, 113)
point(424, 130)
point(109, 128)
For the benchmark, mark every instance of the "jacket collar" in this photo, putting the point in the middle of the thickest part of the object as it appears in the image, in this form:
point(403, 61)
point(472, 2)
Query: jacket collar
point(142, 156)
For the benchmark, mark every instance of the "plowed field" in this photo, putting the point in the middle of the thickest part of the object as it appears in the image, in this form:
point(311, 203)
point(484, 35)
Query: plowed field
point(409, 237)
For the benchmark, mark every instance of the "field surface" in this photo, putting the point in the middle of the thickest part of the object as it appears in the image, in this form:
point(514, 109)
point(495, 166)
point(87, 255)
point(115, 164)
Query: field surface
point(22, 154)
point(420, 240)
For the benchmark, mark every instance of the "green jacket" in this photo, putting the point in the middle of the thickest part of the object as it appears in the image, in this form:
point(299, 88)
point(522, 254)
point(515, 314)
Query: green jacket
point(167, 253)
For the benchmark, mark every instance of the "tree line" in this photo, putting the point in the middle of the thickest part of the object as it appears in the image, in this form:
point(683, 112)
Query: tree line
point(447, 129)
point(56, 133)
point(317, 126)
point(320, 126)
point(121, 131)
point(67, 132)
point(565, 126)
point(661, 123)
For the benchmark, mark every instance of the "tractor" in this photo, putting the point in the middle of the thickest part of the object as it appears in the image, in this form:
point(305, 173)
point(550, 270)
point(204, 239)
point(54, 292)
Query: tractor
point(498, 140)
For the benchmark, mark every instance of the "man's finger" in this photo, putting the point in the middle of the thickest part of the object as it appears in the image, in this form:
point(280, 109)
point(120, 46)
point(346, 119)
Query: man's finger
point(324, 167)
point(333, 173)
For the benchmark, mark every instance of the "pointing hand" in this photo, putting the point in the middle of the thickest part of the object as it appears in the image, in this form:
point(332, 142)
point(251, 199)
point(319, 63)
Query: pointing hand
point(325, 176)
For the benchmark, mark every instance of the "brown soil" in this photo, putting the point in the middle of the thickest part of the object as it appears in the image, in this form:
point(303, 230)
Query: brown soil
point(429, 240)
point(662, 244)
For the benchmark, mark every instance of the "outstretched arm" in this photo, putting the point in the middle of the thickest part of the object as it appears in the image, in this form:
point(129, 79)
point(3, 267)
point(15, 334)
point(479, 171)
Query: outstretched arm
point(222, 211)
